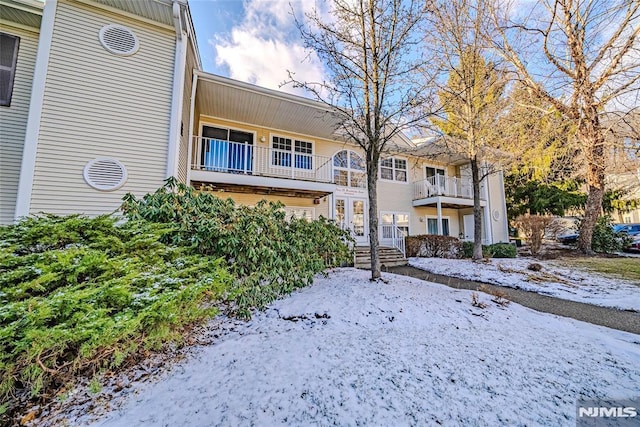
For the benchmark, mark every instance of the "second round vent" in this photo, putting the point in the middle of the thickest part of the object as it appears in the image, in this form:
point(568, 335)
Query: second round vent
point(118, 39)
point(105, 174)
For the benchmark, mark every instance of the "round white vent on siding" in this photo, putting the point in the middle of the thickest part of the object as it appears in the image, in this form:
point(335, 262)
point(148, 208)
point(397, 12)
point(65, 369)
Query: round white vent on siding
point(118, 40)
point(105, 174)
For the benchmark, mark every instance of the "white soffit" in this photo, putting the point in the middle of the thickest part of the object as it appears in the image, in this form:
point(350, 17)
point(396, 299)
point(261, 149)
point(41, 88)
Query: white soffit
point(155, 10)
point(242, 102)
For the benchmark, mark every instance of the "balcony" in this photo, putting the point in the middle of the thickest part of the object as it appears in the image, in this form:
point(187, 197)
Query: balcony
point(245, 164)
point(449, 191)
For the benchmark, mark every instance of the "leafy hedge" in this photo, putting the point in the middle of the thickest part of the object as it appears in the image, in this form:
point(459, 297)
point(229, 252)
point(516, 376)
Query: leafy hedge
point(78, 295)
point(431, 245)
point(268, 255)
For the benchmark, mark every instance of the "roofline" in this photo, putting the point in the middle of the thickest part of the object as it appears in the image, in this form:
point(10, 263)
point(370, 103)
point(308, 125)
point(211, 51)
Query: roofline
point(226, 81)
point(30, 6)
point(191, 32)
point(406, 139)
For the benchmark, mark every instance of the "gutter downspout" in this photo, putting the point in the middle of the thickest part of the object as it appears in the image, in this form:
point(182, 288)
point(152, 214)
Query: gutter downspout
point(32, 134)
point(191, 120)
point(175, 123)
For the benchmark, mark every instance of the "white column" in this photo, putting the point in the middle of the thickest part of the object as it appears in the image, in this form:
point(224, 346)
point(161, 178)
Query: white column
point(32, 134)
point(439, 206)
point(487, 225)
point(190, 162)
point(175, 123)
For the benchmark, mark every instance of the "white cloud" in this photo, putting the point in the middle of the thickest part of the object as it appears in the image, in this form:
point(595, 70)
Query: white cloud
point(266, 44)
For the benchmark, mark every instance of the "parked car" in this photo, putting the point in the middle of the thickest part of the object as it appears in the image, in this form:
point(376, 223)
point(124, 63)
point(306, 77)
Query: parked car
point(568, 239)
point(634, 246)
point(630, 230)
point(627, 229)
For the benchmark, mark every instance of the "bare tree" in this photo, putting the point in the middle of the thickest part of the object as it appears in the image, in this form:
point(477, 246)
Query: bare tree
point(471, 99)
point(589, 65)
point(368, 48)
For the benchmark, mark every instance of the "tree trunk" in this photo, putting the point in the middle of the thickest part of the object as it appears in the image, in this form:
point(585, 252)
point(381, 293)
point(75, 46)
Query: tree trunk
point(591, 137)
point(372, 186)
point(477, 210)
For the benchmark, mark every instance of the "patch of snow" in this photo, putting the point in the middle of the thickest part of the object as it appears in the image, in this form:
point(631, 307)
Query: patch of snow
point(347, 351)
point(554, 279)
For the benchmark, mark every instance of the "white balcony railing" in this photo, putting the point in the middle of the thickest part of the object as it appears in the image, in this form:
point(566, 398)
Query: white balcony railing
point(445, 186)
point(243, 158)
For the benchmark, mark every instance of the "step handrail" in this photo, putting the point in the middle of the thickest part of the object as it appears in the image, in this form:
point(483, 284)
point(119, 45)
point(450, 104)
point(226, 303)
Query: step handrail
point(396, 236)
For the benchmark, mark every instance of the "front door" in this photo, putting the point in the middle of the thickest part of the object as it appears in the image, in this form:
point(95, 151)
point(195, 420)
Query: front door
point(468, 227)
point(351, 213)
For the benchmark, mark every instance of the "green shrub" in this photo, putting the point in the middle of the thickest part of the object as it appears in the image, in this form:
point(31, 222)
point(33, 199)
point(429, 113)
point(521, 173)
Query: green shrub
point(431, 245)
point(604, 239)
point(268, 255)
point(467, 249)
point(500, 250)
point(496, 250)
point(78, 295)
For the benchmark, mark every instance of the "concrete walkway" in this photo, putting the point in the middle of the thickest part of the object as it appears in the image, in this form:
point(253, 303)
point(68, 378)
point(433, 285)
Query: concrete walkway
point(628, 321)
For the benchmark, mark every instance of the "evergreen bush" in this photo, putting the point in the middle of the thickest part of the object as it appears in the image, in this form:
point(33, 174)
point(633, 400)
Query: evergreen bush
point(268, 255)
point(496, 250)
point(604, 239)
point(500, 250)
point(78, 295)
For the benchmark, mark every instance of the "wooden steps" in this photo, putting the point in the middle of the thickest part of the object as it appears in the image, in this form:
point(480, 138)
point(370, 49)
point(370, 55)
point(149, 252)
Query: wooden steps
point(389, 257)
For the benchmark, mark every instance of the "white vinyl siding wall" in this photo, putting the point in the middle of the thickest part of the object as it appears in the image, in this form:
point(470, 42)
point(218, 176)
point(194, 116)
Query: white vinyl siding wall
point(13, 121)
point(97, 104)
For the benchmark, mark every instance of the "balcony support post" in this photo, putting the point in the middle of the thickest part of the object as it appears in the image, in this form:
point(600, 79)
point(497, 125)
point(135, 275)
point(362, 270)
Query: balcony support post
point(439, 207)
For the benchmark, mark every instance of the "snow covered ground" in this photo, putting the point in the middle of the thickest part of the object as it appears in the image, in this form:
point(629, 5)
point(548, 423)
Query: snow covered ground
point(346, 351)
point(554, 279)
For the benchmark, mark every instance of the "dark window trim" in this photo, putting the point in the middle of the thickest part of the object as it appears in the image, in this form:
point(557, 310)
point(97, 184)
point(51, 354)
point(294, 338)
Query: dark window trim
point(6, 102)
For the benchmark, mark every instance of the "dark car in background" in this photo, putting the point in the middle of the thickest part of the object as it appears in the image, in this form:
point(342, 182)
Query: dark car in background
point(568, 239)
point(634, 245)
point(630, 230)
point(621, 230)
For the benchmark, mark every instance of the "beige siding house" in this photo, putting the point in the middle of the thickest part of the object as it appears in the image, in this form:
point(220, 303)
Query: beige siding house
point(629, 183)
point(104, 117)
point(100, 105)
point(245, 146)
point(119, 102)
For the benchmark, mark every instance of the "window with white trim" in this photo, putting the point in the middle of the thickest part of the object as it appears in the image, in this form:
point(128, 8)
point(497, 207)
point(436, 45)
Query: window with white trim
point(398, 219)
point(393, 169)
point(349, 169)
point(8, 60)
point(432, 226)
point(283, 150)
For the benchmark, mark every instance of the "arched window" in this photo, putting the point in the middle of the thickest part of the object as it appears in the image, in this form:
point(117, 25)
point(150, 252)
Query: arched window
point(349, 169)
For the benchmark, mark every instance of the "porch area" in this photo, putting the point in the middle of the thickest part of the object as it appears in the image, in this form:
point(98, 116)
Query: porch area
point(215, 155)
point(247, 164)
point(450, 191)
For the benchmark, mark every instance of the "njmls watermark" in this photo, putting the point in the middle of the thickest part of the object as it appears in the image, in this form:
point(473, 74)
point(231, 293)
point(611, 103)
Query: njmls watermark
point(608, 412)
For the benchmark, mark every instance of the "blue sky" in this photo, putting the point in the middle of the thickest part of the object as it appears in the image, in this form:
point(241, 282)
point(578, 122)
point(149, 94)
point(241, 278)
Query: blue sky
point(253, 40)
